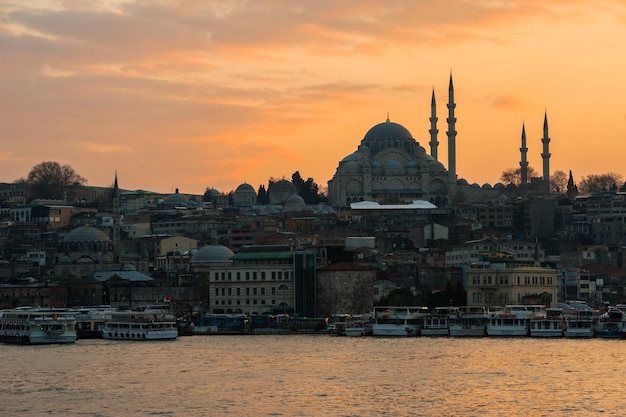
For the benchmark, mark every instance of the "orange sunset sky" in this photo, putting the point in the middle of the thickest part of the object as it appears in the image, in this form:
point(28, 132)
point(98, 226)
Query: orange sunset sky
point(196, 94)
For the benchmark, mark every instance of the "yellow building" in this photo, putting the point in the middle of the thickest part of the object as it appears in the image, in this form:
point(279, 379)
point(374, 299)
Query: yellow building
point(500, 283)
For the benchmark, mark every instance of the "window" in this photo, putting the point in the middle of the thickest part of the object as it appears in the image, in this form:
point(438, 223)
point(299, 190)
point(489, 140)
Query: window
point(238, 276)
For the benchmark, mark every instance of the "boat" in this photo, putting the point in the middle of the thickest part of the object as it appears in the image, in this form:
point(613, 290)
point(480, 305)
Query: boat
point(436, 323)
point(30, 325)
point(90, 320)
point(579, 323)
point(358, 325)
point(512, 321)
point(610, 324)
point(221, 324)
point(547, 323)
point(468, 321)
point(139, 325)
point(394, 321)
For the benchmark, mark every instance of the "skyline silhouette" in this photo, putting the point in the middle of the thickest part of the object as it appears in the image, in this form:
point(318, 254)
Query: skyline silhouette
point(191, 95)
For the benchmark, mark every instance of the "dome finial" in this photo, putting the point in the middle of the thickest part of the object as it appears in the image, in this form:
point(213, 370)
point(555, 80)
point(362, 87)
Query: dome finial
point(387, 117)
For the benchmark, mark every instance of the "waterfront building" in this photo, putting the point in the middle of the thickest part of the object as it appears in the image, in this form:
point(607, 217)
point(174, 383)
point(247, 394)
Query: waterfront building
point(498, 280)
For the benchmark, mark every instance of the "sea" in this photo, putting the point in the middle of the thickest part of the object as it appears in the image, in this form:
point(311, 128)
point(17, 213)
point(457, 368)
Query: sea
point(316, 375)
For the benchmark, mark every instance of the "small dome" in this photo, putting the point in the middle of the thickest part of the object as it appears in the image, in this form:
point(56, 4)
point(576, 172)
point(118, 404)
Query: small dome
point(212, 254)
point(462, 181)
point(295, 200)
point(176, 198)
point(486, 186)
point(350, 167)
point(498, 186)
point(86, 234)
point(394, 167)
point(245, 187)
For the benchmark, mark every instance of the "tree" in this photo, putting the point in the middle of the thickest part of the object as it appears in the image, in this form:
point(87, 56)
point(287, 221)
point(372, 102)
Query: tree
point(308, 190)
point(51, 179)
point(53, 173)
point(594, 183)
point(558, 182)
point(514, 175)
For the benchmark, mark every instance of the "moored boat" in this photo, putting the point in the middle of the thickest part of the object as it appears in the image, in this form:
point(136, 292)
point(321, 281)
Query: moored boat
point(28, 325)
point(139, 325)
point(436, 323)
point(222, 324)
point(512, 321)
point(90, 320)
point(547, 323)
point(579, 323)
point(395, 321)
point(358, 325)
point(468, 321)
point(610, 324)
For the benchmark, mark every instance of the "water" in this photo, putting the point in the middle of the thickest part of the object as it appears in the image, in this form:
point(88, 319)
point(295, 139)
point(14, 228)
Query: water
point(315, 375)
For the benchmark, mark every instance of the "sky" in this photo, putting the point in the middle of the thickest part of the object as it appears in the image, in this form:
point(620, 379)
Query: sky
point(193, 94)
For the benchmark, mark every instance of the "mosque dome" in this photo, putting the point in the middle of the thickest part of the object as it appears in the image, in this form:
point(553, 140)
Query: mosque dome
point(394, 167)
point(462, 181)
point(295, 200)
point(176, 198)
point(350, 167)
point(386, 130)
point(244, 196)
point(212, 254)
point(86, 234)
point(245, 187)
point(499, 186)
point(280, 191)
point(412, 167)
point(486, 186)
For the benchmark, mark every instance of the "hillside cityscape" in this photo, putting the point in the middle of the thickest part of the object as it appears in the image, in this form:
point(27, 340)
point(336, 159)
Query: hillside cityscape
point(396, 227)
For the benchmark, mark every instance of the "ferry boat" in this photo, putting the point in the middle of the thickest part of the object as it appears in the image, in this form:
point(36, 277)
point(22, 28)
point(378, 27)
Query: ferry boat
point(468, 321)
point(610, 324)
point(394, 321)
point(28, 325)
point(579, 323)
point(90, 320)
point(547, 323)
point(358, 325)
point(512, 321)
point(139, 325)
point(437, 322)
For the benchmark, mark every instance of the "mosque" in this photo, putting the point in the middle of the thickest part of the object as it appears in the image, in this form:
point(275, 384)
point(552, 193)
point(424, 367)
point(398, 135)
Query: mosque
point(390, 166)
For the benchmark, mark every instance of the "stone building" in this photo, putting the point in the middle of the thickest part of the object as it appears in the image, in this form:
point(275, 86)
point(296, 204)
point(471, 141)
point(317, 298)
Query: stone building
point(345, 288)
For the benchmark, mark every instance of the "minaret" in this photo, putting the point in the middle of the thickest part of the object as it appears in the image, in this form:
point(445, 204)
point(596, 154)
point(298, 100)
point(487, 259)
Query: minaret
point(451, 135)
point(572, 190)
point(433, 127)
point(524, 162)
point(545, 155)
point(116, 222)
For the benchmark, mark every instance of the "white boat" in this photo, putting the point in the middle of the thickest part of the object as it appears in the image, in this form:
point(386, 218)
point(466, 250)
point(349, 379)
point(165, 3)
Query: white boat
point(468, 321)
point(547, 323)
point(513, 320)
point(90, 320)
point(437, 322)
point(394, 321)
point(610, 324)
point(37, 326)
point(579, 323)
point(139, 325)
point(358, 325)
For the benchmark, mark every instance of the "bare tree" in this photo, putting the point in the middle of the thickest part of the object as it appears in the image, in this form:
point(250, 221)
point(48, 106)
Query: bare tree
point(514, 175)
point(53, 173)
point(558, 182)
point(594, 183)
